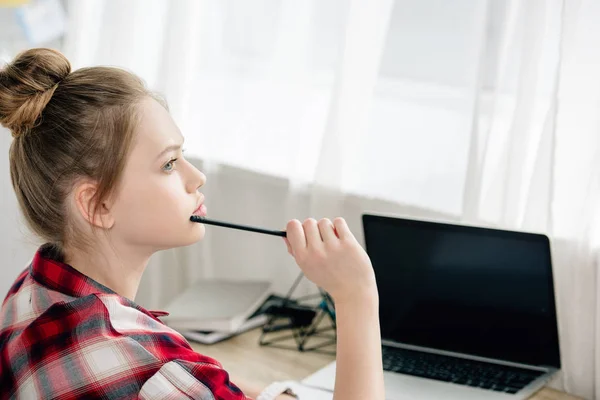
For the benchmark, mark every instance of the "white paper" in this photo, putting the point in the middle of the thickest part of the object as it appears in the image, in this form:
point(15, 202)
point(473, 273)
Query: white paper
point(323, 378)
point(308, 393)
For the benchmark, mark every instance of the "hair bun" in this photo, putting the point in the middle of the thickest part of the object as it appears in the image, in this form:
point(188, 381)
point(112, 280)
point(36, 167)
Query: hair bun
point(26, 86)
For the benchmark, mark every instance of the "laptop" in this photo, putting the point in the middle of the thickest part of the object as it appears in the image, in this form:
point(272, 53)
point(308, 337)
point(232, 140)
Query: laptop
point(466, 312)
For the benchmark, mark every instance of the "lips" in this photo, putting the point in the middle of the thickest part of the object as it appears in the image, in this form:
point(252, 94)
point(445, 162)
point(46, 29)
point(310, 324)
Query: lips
point(201, 209)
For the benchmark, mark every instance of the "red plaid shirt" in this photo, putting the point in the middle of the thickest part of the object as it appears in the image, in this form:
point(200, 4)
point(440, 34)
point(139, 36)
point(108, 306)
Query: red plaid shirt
point(65, 336)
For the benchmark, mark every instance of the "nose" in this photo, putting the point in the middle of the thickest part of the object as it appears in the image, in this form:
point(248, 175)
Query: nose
point(196, 180)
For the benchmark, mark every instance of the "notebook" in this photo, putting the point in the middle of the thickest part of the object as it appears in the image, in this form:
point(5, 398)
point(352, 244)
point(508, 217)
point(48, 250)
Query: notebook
point(216, 305)
point(258, 318)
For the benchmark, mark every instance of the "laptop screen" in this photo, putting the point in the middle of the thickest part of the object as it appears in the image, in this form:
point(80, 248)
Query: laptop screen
point(477, 291)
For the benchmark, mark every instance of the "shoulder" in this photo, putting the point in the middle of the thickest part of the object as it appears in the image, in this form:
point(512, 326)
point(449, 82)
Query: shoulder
point(17, 284)
point(105, 346)
point(98, 344)
point(18, 292)
point(73, 346)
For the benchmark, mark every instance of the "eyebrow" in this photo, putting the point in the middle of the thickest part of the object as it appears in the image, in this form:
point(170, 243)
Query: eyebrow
point(169, 148)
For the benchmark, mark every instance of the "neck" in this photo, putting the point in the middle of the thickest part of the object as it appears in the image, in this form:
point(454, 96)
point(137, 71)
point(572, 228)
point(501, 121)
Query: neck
point(119, 268)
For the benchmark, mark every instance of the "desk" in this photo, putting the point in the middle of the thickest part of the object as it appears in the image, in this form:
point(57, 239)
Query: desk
point(242, 356)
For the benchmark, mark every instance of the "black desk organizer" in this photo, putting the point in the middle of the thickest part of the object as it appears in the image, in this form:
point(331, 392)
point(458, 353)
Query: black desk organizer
point(302, 324)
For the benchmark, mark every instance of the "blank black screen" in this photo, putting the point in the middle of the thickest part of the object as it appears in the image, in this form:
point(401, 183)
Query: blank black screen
point(471, 290)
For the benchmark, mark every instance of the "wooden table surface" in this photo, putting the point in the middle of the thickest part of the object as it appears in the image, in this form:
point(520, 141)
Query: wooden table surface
point(242, 356)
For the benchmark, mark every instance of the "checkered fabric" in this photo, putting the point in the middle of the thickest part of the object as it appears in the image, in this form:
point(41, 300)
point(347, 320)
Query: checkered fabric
point(66, 336)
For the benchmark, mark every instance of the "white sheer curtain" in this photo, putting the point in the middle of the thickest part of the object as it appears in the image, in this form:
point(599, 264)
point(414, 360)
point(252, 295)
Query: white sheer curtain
point(534, 158)
point(477, 111)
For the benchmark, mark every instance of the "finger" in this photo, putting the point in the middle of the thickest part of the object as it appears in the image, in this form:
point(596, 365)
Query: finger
point(342, 228)
point(295, 235)
point(287, 243)
point(311, 230)
point(326, 229)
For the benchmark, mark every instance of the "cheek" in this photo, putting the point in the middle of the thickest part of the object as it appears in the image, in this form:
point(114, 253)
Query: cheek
point(166, 200)
point(157, 214)
point(153, 201)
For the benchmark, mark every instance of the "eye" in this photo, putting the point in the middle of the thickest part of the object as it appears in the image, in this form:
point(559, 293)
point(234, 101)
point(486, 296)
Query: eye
point(172, 163)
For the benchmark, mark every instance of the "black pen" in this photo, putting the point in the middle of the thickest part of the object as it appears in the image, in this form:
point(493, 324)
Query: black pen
point(204, 220)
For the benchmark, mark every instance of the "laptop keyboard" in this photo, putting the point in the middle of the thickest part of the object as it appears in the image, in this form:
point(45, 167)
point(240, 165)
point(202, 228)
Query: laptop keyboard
point(457, 370)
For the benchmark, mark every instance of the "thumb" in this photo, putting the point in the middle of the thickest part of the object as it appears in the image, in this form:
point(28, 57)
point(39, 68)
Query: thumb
point(287, 243)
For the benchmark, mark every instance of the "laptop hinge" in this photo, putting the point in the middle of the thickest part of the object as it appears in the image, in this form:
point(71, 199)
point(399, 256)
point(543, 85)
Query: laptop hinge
point(466, 356)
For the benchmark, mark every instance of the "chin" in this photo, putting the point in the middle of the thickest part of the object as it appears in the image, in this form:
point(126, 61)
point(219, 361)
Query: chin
point(198, 232)
point(186, 237)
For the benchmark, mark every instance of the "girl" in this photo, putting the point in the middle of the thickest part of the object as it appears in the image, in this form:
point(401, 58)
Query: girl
point(97, 167)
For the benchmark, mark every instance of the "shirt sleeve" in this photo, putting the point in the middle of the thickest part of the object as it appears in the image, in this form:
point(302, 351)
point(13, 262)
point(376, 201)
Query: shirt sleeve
point(78, 350)
point(184, 379)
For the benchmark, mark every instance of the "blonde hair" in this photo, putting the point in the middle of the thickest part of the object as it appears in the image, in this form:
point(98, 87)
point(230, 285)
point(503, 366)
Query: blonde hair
point(66, 126)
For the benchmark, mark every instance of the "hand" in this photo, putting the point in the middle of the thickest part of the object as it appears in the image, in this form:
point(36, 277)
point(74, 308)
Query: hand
point(331, 257)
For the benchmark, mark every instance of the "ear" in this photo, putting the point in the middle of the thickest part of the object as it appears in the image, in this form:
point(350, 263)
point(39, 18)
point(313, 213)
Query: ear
point(85, 202)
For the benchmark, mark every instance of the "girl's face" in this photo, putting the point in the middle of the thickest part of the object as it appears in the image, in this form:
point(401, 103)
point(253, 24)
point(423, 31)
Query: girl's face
point(158, 194)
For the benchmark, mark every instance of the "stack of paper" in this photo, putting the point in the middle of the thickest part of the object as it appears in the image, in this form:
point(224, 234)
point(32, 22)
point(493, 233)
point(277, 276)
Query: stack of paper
point(222, 306)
